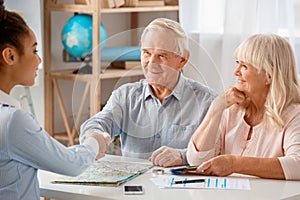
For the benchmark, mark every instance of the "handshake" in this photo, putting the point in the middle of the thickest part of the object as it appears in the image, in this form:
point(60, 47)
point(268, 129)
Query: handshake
point(103, 140)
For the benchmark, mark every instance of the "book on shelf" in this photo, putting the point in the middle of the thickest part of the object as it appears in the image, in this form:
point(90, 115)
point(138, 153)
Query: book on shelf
point(119, 3)
point(125, 64)
point(171, 2)
point(145, 3)
point(115, 3)
point(104, 3)
point(131, 3)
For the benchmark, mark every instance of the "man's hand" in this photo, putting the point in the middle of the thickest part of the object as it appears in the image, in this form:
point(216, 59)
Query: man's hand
point(166, 157)
point(103, 140)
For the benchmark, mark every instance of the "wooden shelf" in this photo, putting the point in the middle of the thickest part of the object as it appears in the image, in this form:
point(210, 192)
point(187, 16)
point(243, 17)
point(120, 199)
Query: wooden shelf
point(118, 73)
point(139, 9)
point(89, 9)
point(107, 74)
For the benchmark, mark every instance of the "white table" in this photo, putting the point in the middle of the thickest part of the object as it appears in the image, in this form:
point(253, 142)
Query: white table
point(260, 189)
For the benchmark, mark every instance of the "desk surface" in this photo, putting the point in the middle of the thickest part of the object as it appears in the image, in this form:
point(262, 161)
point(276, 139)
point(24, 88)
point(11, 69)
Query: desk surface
point(260, 189)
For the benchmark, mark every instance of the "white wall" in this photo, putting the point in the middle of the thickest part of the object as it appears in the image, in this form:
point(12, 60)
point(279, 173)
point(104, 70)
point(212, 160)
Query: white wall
point(205, 60)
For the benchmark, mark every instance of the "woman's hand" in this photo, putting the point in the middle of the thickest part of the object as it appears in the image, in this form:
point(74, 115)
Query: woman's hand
point(231, 96)
point(222, 165)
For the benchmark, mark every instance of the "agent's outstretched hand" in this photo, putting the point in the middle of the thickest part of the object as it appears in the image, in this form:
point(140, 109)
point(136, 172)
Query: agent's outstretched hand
point(103, 140)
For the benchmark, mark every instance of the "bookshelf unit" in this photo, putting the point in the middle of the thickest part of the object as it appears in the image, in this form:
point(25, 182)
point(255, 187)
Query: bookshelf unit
point(92, 81)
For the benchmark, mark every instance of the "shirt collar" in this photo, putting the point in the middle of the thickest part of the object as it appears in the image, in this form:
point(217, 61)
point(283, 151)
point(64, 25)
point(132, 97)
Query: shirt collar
point(8, 100)
point(148, 92)
point(177, 92)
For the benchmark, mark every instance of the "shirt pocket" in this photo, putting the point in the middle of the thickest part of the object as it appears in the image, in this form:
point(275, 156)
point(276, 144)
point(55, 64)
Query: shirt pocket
point(178, 136)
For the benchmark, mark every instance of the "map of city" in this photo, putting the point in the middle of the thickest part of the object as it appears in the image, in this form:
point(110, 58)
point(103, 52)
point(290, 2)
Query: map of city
point(107, 173)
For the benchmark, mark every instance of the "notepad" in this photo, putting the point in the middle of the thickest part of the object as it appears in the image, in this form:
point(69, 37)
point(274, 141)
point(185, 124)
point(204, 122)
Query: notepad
point(107, 173)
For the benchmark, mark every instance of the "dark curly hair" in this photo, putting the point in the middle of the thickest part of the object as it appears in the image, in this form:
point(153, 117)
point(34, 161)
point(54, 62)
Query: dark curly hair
point(12, 29)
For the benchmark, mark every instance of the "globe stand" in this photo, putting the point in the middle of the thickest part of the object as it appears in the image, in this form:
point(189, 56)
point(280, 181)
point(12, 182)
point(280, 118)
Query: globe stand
point(87, 67)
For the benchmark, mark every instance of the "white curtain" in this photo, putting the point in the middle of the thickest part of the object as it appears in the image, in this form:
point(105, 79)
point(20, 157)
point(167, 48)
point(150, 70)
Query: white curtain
point(217, 27)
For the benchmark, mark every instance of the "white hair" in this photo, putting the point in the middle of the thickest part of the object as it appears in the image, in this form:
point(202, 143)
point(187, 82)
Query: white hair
point(169, 26)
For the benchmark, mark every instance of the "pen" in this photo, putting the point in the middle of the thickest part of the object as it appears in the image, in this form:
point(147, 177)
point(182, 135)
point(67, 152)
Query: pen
point(190, 181)
point(183, 170)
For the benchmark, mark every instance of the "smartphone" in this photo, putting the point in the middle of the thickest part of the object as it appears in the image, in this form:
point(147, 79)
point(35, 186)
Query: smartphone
point(133, 189)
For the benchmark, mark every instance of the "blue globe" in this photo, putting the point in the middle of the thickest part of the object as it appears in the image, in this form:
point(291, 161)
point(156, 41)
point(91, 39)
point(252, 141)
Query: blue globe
point(77, 35)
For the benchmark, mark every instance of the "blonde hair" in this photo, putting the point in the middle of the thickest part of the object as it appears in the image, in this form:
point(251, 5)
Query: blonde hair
point(274, 55)
point(164, 24)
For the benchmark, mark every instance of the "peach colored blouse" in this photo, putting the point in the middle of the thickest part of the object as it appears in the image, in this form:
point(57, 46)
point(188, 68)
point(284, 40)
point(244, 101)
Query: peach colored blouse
point(233, 131)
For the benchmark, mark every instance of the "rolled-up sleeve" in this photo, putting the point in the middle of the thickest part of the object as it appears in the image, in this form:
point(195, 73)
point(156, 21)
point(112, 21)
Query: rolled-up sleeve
point(195, 157)
point(108, 120)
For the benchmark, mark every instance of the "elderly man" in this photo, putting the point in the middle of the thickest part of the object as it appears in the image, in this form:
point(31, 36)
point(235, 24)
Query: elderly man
point(156, 116)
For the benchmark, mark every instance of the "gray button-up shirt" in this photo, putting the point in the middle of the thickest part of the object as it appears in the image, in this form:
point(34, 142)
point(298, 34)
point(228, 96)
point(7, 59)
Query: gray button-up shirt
point(145, 124)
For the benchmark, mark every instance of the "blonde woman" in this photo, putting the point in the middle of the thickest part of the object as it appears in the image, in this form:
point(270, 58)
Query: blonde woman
point(253, 128)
